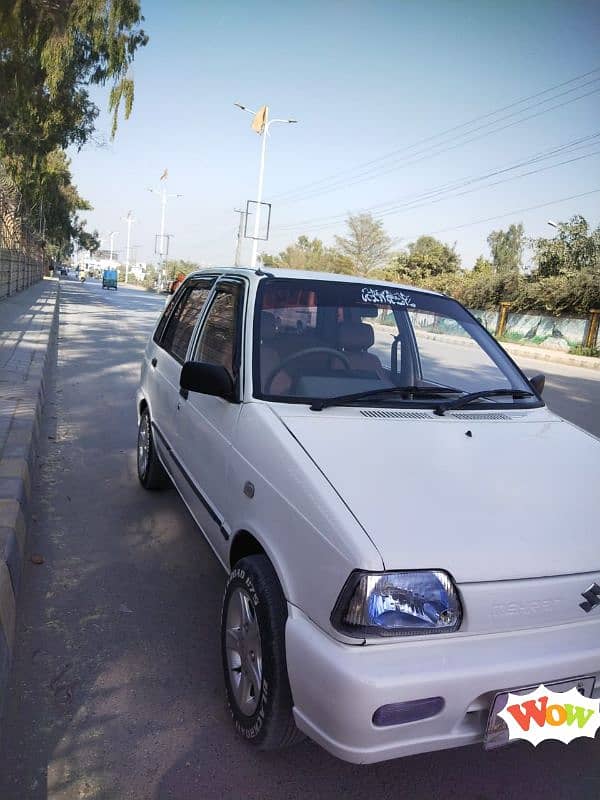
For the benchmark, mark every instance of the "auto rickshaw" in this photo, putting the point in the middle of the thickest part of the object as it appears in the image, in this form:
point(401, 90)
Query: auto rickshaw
point(109, 279)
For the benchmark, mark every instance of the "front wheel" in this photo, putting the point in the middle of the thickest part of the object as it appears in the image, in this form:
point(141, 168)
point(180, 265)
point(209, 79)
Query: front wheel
point(253, 650)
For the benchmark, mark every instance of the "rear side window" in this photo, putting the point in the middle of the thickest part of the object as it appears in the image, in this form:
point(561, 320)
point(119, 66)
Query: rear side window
point(218, 340)
point(180, 326)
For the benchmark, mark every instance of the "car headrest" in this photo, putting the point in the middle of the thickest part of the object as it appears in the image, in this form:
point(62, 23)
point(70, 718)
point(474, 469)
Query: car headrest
point(355, 336)
point(268, 329)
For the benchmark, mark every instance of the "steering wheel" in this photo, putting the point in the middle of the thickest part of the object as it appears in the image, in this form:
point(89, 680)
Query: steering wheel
point(302, 354)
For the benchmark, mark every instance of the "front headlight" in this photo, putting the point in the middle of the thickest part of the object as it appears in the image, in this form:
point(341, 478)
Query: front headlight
point(397, 604)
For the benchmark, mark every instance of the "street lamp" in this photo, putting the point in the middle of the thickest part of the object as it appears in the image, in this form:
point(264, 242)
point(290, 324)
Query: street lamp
point(552, 223)
point(129, 220)
point(163, 204)
point(112, 235)
point(264, 132)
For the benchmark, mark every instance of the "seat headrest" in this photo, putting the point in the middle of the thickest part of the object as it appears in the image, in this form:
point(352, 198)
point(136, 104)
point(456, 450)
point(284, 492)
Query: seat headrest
point(268, 328)
point(355, 336)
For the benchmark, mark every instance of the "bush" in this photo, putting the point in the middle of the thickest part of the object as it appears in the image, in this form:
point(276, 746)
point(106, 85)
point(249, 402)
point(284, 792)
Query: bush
point(561, 295)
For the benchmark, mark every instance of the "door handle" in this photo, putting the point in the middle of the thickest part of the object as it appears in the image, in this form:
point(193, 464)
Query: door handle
point(153, 362)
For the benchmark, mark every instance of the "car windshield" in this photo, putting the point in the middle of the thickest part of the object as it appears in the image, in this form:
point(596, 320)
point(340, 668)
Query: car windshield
point(318, 339)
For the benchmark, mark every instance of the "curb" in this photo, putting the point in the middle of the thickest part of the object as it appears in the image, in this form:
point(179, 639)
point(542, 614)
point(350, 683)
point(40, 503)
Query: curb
point(17, 468)
point(585, 362)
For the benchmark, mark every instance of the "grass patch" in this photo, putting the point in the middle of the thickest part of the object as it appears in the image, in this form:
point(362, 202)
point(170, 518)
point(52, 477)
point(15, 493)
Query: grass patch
point(520, 339)
point(580, 350)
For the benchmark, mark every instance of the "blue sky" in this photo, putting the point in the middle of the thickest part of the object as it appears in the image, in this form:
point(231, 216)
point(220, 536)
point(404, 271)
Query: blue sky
point(364, 79)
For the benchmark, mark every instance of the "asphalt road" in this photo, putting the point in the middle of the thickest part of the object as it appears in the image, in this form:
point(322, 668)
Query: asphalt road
point(117, 688)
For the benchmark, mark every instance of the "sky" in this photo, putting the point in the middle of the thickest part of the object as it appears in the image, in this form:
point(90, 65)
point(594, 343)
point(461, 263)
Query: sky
point(395, 101)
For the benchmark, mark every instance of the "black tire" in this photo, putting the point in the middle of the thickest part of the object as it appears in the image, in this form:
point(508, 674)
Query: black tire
point(271, 726)
point(152, 475)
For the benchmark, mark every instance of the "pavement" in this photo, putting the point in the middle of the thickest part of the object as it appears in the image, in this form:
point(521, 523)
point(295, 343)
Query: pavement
point(116, 690)
point(28, 324)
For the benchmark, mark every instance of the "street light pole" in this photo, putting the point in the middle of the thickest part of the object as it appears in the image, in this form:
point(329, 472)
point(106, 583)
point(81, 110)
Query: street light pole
point(261, 171)
point(112, 235)
point(163, 211)
point(261, 176)
point(129, 220)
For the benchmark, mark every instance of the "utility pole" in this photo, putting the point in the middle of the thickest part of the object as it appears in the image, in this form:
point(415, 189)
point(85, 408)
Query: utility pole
point(129, 220)
point(240, 236)
point(164, 196)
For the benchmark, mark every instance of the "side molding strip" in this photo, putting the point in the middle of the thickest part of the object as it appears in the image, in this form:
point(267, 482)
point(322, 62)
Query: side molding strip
point(213, 514)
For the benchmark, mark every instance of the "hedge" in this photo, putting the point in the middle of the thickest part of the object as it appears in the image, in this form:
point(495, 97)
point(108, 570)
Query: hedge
point(563, 295)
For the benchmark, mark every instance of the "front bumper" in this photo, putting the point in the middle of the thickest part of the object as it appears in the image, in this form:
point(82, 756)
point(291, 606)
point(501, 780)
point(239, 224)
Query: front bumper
point(337, 687)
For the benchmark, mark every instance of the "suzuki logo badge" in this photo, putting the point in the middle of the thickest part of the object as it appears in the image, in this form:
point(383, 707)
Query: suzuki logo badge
point(592, 598)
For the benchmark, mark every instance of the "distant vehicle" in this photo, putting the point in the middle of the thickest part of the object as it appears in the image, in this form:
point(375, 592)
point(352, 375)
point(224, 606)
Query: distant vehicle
point(109, 279)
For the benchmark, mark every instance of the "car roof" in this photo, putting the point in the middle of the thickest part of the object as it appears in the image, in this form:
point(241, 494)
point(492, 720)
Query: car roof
point(300, 274)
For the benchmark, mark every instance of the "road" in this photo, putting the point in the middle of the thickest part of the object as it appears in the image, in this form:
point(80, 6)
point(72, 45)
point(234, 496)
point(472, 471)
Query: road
point(117, 689)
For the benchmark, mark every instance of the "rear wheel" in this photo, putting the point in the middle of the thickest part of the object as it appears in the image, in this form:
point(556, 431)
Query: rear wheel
point(253, 650)
point(151, 472)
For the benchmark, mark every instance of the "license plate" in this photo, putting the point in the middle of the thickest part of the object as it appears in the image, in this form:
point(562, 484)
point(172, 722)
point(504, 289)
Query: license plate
point(496, 734)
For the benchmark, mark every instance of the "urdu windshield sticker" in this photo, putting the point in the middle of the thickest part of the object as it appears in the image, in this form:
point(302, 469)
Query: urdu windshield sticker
point(373, 294)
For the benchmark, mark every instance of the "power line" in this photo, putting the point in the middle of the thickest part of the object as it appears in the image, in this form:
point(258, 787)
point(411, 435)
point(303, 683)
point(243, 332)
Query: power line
point(459, 183)
point(437, 194)
point(496, 183)
point(511, 213)
point(444, 133)
point(431, 152)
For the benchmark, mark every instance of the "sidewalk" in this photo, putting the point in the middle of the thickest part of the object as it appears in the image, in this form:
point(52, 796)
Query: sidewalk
point(28, 324)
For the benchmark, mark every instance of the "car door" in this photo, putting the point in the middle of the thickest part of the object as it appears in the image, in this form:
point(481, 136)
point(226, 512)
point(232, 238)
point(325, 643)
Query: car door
point(205, 423)
point(171, 341)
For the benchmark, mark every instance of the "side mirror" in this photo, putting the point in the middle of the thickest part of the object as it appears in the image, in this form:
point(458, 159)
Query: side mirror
point(538, 382)
point(213, 379)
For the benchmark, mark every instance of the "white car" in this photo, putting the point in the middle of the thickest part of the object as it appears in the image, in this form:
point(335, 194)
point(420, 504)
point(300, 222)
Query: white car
point(408, 531)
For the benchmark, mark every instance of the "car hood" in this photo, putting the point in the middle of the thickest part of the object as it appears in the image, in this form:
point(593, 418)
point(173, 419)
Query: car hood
point(483, 498)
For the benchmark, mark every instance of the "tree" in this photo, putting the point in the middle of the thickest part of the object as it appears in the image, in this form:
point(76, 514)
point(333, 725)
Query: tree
point(506, 248)
point(574, 249)
point(483, 267)
point(367, 245)
point(174, 267)
point(309, 254)
point(51, 51)
point(426, 257)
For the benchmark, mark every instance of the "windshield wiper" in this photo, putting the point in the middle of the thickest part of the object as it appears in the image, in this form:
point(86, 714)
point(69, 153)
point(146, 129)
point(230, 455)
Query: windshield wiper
point(465, 399)
point(343, 399)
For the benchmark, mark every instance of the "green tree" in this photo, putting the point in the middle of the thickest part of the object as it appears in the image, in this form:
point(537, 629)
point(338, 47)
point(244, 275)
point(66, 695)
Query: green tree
point(174, 266)
point(575, 248)
point(483, 266)
point(51, 51)
point(506, 248)
point(366, 245)
point(425, 258)
point(309, 254)
point(59, 201)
